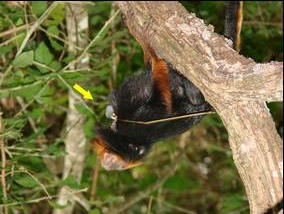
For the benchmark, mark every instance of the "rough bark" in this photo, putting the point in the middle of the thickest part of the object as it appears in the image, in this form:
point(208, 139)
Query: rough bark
point(75, 142)
point(236, 86)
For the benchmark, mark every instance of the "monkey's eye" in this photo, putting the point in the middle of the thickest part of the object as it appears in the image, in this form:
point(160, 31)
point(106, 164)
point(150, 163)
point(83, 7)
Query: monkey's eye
point(139, 149)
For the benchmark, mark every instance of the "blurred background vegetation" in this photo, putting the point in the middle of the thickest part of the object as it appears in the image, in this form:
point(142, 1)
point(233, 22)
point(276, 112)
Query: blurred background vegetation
point(191, 173)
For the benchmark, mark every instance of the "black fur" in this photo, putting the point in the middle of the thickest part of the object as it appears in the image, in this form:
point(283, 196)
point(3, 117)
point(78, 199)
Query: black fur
point(138, 99)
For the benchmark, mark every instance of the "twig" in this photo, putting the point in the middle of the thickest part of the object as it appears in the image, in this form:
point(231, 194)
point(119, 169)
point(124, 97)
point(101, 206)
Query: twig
point(44, 66)
point(95, 179)
point(24, 149)
point(150, 205)
point(21, 86)
point(76, 95)
point(178, 208)
point(44, 198)
point(81, 2)
point(3, 170)
point(60, 39)
point(10, 40)
point(165, 175)
point(14, 30)
point(36, 24)
point(30, 154)
point(91, 43)
point(114, 52)
point(36, 180)
point(21, 102)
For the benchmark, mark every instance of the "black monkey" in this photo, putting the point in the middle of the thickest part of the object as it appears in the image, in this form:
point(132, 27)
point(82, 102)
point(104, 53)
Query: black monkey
point(158, 92)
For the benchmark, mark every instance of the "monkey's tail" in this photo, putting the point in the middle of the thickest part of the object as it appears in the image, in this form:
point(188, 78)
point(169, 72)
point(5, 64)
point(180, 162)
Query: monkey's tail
point(233, 22)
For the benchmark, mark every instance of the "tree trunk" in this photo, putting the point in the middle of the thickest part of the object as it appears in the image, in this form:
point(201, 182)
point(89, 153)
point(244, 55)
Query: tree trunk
point(75, 142)
point(235, 86)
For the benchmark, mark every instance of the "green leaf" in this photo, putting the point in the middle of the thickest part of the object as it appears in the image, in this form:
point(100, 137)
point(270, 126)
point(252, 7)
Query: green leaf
point(55, 65)
point(6, 49)
point(57, 46)
point(36, 113)
point(26, 181)
point(58, 206)
point(38, 7)
point(43, 55)
point(56, 17)
point(28, 92)
point(24, 59)
point(177, 183)
point(20, 39)
point(95, 211)
point(232, 202)
point(69, 181)
point(19, 22)
point(53, 30)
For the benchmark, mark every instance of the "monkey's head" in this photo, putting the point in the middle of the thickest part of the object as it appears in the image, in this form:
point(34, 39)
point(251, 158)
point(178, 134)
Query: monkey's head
point(117, 152)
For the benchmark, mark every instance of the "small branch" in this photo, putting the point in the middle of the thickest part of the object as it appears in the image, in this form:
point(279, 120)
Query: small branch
point(10, 40)
point(69, 194)
point(95, 179)
point(24, 170)
point(114, 52)
point(28, 35)
point(175, 207)
point(14, 30)
point(150, 205)
point(72, 63)
point(36, 24)
point(165, 175)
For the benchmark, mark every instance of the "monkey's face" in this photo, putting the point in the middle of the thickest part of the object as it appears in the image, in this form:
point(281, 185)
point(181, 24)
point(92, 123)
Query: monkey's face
point(111, 160)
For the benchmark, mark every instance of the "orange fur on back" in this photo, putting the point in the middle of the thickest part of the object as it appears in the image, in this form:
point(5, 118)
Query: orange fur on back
point(161, 81)
point(159, 68)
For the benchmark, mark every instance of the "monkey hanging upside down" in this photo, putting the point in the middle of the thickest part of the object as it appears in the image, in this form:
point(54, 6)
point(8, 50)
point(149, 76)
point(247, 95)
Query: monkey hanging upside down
point(158, 92)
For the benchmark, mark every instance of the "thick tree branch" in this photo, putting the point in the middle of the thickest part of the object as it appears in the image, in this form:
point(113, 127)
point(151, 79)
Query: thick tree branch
point(236, 86)
point(200, 49)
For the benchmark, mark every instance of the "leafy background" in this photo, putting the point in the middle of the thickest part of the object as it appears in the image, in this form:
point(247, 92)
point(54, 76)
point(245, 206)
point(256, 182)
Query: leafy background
point(191, 173)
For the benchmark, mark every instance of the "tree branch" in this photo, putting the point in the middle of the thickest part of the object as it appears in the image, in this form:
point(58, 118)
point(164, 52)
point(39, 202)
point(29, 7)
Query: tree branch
point(235, 86)
point(200, 49)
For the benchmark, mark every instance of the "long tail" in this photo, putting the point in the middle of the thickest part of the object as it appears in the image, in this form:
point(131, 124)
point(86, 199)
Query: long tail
point(233, 22)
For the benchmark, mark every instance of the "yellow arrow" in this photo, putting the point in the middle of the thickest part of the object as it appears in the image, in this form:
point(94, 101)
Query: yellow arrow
point(87, 94)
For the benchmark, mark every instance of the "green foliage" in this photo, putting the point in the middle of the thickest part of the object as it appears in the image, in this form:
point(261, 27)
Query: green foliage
point(24, 59)
point(34, 102)
point(38, 7)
